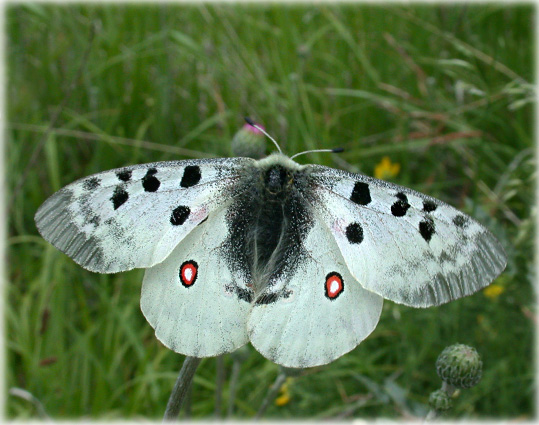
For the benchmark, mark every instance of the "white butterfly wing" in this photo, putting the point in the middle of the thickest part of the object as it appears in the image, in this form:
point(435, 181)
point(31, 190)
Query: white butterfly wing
point(317, 314)
point(403, 245)
point(196, 302)
point(134, 216)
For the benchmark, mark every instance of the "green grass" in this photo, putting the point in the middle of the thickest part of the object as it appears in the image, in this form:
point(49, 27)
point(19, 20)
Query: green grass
point(445, 91)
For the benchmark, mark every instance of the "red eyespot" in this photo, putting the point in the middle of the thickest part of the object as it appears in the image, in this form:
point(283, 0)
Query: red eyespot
point(334, 285)
point(188, 273)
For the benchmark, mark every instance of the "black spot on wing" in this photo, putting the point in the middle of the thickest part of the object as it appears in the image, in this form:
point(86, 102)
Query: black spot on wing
point(242, 293)
point(429, 206)
point(191, 176)
point(95, 220)
point(91, 183)
point(361, 194)
point(124, 175)
point(460, 221)
point(271, 297)
point(119, 197)
point(354, 233)
point(399, 208)
point(426, 228)
point(150, 183)
point(267, 299)
point(179, 215)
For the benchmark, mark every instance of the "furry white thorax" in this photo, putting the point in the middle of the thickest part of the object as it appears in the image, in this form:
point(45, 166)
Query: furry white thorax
point(279, 159)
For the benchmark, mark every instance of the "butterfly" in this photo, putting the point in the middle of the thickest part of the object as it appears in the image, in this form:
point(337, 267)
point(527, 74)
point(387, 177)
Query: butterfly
point(295, 259)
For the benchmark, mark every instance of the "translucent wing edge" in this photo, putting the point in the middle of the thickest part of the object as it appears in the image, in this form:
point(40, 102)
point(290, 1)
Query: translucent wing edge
point(485, 264)
point(54, 223)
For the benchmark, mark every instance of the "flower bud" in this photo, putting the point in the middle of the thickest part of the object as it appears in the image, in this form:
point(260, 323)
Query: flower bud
point(440, 401)
point(460, 366)
point(249, 142)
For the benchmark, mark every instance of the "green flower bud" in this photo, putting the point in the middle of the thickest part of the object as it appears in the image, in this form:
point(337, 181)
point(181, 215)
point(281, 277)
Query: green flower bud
point(249, 142)
point(440, 401)
point(460, 366)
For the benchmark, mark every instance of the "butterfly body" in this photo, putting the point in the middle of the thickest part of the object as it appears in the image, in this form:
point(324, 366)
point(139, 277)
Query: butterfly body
point(268, 221)
point(294, 258)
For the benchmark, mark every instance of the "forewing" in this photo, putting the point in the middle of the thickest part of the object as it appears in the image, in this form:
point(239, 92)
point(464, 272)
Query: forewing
point(405, 246)
point(134, 216)
point(306, 319)
point(195, 300)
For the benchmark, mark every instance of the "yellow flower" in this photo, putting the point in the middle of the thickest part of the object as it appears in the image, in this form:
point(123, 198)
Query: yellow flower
point(284, 396)
point(282, 400)
point(385, 169)
point(493, 291)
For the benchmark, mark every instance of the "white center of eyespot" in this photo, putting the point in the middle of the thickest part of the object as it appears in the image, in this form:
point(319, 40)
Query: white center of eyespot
point(334, 286)
point(188, 273)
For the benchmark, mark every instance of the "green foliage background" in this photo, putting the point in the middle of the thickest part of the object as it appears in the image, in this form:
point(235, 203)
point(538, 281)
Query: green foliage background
point(445, 91)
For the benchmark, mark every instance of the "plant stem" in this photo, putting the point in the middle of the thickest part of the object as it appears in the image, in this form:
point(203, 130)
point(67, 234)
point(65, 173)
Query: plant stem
point(433, 413)
point(25, 395)
point(220, 379)
point(187, 404)
point(232, 391)
point(448, 388)
point(181, 387)
point(273, 391)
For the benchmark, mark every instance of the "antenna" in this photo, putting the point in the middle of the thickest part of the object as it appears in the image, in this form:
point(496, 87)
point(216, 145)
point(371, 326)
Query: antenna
point(252, 124)
point(335, 150)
